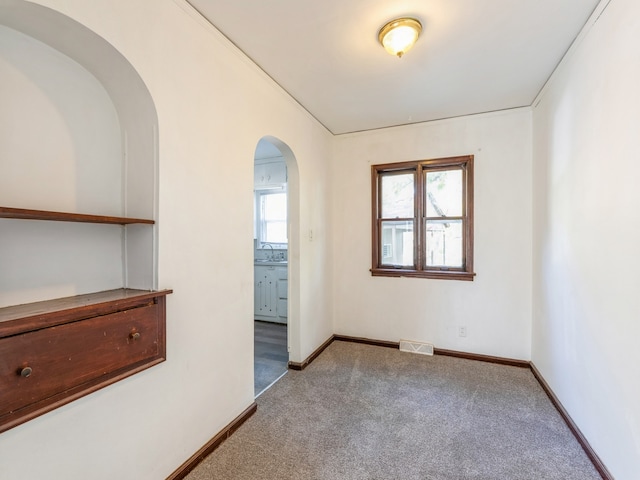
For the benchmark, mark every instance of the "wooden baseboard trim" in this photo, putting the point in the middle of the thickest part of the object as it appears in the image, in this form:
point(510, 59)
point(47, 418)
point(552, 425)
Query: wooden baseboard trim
point(212, 444)
point(438, 351)
point(482, 358)
point(342, 338)
point(593, 456)
point(367, 341)
point(305, 363)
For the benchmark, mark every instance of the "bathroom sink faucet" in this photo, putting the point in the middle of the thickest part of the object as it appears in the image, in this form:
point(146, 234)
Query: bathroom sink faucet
point(271, 247)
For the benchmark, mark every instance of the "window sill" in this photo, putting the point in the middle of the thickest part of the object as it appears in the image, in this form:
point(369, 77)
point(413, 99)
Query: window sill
point(443, 275)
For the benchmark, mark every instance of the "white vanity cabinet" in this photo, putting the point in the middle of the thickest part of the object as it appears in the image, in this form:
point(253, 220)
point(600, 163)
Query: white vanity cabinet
point(265, 292)
point(282, 289)
point(270, 293)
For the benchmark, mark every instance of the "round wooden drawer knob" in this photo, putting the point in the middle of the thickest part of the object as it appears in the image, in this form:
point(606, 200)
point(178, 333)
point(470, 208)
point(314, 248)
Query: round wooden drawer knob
point(26, 372)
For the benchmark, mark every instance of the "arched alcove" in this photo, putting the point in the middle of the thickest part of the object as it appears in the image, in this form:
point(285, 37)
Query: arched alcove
point(79, 308)
point(79, 135)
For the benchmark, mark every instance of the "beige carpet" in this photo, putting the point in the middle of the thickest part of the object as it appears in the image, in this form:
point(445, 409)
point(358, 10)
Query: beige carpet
point(365, 412)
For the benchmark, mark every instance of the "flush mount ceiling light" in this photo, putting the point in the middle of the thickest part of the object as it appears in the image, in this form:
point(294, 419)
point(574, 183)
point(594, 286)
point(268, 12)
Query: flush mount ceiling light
point(399, 35)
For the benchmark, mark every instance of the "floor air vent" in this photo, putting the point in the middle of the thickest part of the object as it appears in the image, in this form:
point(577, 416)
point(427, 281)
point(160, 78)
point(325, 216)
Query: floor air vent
point(416, 347)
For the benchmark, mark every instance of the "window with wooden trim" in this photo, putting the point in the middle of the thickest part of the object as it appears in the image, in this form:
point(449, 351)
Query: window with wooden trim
point(423, 218)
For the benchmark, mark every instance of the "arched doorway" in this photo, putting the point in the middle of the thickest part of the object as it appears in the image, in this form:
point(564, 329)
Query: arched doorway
point(276, 260)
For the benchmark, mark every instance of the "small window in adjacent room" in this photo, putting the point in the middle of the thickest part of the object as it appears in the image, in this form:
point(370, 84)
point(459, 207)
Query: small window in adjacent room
point(272, 217)
point(423, 218)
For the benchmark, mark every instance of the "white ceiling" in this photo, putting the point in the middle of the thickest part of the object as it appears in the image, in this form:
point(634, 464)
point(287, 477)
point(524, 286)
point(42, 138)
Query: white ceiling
point(473, 56)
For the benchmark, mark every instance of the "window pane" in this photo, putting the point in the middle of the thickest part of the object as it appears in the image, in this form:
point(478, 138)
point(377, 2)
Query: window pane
point(396, 243)
point(274, 206)
point(276, 232)
point(444, 243)
point(273, 217)
point(444, 193)
point(397, 195)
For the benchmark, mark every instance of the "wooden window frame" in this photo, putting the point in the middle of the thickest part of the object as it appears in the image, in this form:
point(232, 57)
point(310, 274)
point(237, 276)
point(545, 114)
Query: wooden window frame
point(419, 169)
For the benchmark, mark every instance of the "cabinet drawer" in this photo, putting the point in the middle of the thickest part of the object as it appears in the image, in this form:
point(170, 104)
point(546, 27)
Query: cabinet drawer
point(66, 356)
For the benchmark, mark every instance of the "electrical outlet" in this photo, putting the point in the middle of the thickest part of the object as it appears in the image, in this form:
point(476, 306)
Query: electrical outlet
point(462, 331)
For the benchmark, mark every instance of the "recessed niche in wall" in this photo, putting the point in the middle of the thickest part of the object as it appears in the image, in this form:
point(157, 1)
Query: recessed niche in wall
point(79, 308)
point(77, 134)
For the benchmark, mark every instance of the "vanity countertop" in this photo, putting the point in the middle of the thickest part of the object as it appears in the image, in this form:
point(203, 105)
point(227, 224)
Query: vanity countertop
point(271, 263)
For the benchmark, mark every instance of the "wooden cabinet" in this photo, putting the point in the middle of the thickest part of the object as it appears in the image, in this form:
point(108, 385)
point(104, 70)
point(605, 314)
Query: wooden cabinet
point(56, 351)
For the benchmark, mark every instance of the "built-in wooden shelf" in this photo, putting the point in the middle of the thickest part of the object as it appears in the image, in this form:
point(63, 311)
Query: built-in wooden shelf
point(24, 214)
point(56, 351)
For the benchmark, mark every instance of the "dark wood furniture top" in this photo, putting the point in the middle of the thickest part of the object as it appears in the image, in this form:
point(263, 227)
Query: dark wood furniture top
point(24, 214)
point(34, 316)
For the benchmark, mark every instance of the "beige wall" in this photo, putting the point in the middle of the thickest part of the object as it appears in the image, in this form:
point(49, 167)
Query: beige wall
point(586, 235)
point(213, 106)
point(496, 306)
